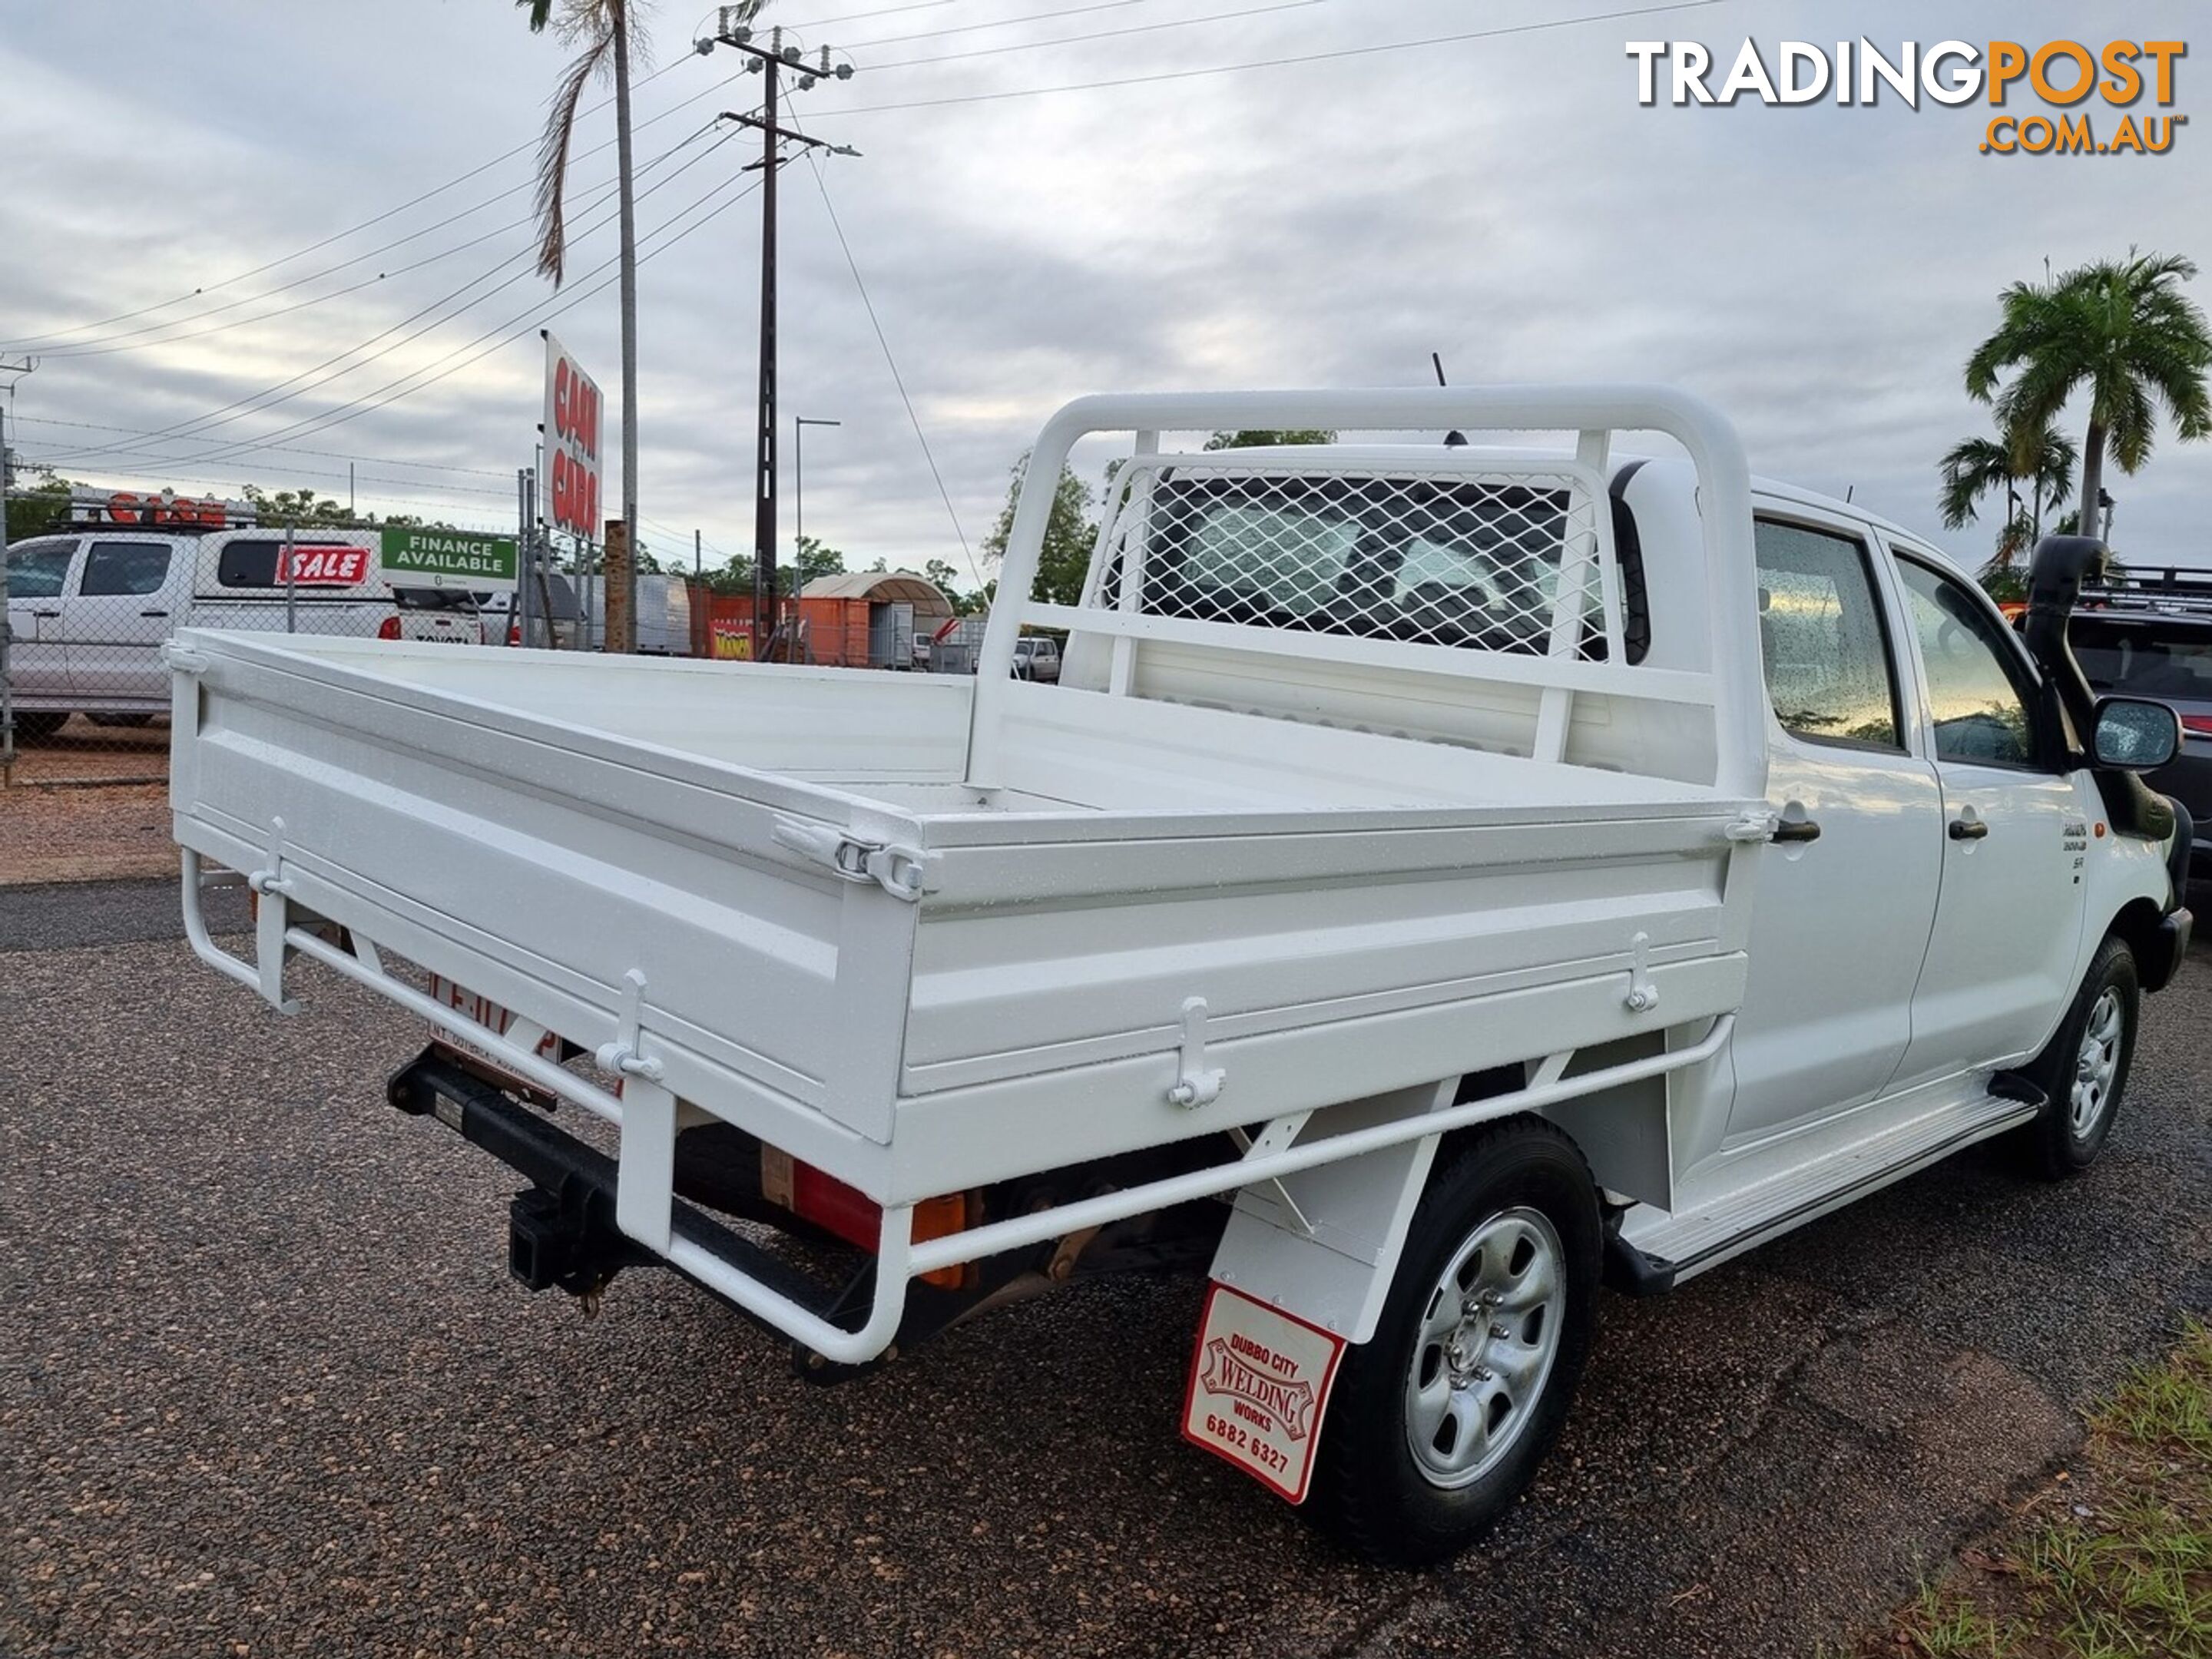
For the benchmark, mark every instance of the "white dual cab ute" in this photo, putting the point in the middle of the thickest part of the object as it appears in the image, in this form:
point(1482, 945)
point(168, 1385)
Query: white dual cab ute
point(90, 608)
point(1444, 875)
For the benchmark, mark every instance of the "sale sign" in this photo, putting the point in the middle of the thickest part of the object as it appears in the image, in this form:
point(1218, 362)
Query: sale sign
point(322, 566)
point(574, 409)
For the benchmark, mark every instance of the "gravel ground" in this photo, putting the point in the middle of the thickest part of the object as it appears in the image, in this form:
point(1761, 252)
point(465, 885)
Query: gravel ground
point(82, 752)
point(265, 1388)
point(99, 832)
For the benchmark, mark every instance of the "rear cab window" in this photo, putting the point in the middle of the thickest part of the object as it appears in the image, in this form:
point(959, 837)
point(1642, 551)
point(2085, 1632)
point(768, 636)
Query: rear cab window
point(327, 566)
point(116, 568)
point(1831, 673)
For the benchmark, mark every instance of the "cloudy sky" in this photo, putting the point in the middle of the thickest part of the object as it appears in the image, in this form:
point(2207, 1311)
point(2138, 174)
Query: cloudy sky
point(1026, 234)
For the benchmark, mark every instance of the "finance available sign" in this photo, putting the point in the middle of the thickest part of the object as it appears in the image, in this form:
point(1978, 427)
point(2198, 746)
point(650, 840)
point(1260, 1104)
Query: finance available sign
point(573, 410)
point(449, 558)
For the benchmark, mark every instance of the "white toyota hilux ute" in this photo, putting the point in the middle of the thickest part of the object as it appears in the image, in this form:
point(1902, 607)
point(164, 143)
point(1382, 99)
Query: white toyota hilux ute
point(1445, 876)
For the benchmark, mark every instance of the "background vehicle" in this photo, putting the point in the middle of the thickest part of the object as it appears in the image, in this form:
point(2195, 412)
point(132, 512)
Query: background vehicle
point(1489, 868)
point(2149, 634)
point(91, 609)
point(1036, 657)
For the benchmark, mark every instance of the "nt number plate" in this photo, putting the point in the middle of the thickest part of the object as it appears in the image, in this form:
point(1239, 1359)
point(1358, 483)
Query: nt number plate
point(1259, 1386)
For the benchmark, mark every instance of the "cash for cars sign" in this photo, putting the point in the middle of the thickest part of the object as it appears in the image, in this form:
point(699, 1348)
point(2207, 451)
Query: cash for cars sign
point(449, 558)
point(573, 409)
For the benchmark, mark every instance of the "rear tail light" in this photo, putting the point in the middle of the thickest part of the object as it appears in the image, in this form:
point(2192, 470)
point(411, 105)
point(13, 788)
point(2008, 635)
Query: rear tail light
point(2200, 723)
point(388, 628)
point(851, 1215)
point(514, 633)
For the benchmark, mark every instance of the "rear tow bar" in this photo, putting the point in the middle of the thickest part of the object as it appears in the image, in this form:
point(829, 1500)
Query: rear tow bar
point(561, 1231)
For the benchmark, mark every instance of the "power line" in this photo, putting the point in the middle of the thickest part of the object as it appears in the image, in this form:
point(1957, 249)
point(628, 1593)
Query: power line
point(528, 322)
point(255, 403)
point(1001, 22)
point(339, 236)
point(897, 380)
point(288, 471)
point(1098, 34)
point(857, 16)
point(1276, 62)
point(327, 454)
point(108, 346)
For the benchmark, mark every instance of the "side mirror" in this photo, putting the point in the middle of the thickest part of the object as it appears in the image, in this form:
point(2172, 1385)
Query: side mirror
point(2134, 734)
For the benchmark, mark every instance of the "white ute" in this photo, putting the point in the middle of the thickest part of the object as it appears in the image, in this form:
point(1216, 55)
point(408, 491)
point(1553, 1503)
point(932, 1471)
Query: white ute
point(1443, 875)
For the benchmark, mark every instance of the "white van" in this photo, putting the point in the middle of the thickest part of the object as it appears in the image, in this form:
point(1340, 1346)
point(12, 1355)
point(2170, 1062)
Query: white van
point(90, 608)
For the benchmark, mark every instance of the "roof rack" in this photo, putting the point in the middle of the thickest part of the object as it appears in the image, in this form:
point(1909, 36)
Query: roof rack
point(2174, 590)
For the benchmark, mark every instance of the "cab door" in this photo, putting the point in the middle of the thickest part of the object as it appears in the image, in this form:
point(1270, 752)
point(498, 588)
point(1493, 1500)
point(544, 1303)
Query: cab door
point(39, 573)
point(1845, 896)
point(2001, 960)
point(116, 617)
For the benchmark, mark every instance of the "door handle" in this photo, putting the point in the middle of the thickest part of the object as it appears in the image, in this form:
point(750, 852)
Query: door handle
point(1968, 829)
point(46, 613)
point(1798, 830)
point(152, 613)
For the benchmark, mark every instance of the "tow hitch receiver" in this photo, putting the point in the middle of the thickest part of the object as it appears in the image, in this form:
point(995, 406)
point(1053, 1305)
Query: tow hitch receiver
point(560, 1231)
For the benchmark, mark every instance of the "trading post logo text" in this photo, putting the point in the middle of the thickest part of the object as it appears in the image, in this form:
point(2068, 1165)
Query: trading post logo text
point(2066, 76)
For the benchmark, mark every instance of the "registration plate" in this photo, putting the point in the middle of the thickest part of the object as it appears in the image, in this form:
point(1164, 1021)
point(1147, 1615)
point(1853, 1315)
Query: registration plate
point(1259, 1386)
point(483, 1012)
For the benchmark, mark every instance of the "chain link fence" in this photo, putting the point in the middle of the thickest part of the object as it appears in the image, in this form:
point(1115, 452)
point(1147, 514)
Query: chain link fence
point(90, 608)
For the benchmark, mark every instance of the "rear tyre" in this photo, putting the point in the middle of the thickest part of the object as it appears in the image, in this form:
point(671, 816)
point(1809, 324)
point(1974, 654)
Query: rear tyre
point(1439, 1423)
point(37, 727)
point(2083, 1070)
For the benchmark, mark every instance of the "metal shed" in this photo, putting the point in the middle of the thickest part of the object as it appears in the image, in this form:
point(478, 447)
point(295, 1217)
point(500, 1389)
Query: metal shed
point(869, 618)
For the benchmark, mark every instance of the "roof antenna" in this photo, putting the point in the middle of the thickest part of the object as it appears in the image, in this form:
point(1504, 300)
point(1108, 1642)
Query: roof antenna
point(1455, 439)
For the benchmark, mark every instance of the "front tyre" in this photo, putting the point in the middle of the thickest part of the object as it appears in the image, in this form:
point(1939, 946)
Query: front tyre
point(2084, 1069)
point(1439, 1422)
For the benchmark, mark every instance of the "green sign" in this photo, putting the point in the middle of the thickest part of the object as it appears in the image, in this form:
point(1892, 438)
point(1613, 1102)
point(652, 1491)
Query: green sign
point(449, 558)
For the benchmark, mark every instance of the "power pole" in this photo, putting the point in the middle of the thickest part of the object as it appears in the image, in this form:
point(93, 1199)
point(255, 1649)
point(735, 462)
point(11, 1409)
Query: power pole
point(7, 630)
point(769, 59)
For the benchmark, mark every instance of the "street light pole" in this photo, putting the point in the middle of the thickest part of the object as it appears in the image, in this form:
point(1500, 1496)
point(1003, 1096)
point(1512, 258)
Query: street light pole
point(799, 423)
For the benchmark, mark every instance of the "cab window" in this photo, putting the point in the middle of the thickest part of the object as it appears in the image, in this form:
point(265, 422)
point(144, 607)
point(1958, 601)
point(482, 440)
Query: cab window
point(1978, 688)
point(1829, 671)
point(125, 568)
point(36, 570)
point(248, 564)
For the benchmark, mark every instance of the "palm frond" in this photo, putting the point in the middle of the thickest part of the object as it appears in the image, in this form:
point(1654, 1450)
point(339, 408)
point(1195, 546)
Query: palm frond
point(560, 126)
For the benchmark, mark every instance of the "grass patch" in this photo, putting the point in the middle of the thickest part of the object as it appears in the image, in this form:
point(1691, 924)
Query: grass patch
point(2112, 1561)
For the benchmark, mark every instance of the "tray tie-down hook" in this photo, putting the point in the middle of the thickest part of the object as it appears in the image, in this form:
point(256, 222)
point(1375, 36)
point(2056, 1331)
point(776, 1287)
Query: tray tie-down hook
point(621, 1057)
point(1196, 1082)
point(1642, 995)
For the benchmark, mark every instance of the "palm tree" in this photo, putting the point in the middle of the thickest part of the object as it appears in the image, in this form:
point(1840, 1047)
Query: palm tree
point(608, 32)
point(2120, 330)
point(1978, 466)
